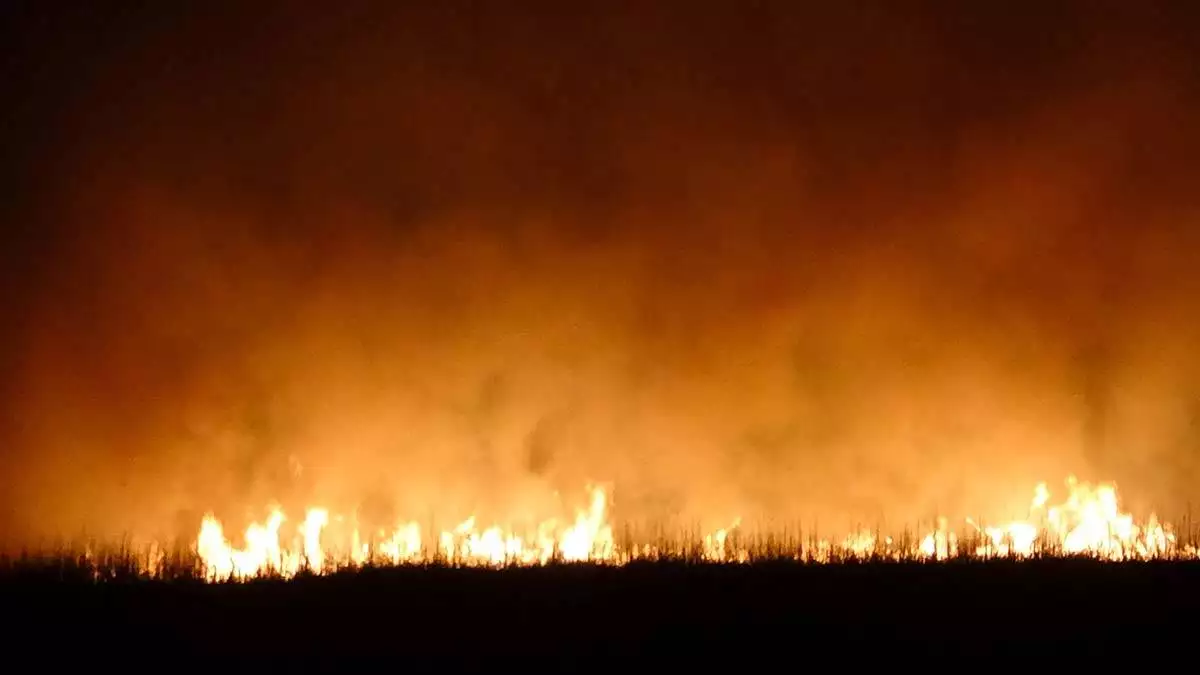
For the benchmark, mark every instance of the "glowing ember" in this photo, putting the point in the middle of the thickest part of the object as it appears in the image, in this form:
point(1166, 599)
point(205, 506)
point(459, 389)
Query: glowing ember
point(1089, 522)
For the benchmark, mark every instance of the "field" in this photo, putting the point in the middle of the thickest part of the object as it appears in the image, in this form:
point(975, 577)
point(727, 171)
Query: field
point(1074, 581)
point(1080, 580)
point(567, 616)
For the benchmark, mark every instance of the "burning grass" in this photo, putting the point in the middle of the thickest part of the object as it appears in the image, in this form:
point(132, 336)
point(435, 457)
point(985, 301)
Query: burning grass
point(1088, 523)
point(96, 562)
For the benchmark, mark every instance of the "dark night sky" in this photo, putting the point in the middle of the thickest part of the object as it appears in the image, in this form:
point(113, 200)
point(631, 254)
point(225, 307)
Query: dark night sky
point(851, 257)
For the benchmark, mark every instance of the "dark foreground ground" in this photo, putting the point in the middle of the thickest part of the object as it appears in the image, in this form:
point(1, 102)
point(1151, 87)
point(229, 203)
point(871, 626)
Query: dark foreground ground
point(568, 618)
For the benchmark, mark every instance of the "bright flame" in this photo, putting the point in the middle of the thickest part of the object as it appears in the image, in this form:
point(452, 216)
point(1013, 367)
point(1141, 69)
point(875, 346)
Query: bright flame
point(589, 538)
point(942, 543)
point(1088, 522)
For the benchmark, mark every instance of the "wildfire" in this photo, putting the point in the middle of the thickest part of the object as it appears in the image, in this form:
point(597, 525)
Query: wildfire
point(588, 538)
point(1088, 522)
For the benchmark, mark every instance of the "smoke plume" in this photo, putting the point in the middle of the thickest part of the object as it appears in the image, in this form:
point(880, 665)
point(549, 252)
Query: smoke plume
point(857, 264)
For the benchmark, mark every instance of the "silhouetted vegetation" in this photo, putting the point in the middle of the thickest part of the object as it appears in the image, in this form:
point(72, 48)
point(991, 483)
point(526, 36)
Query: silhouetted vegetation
point(562, 617)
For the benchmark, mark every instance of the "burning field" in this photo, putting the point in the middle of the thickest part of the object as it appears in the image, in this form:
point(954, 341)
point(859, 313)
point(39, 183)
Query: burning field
point(1077, 578)
point(525, 321)
point(1086, 522)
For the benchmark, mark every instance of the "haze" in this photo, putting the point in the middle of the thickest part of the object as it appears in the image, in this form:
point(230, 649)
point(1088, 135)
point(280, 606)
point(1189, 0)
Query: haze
point(853, 263)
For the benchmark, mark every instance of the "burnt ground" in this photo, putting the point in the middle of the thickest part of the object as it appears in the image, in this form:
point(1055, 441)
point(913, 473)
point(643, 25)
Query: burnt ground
point(568, 618)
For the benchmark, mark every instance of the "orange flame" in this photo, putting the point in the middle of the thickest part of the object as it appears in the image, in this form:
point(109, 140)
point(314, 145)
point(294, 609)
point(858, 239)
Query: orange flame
point(1089, 522)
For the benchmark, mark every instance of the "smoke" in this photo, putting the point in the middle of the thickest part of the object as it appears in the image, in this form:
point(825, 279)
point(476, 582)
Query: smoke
point(857, 265)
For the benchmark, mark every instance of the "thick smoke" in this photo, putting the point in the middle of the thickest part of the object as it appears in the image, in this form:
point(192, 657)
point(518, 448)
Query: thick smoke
point(839, 265)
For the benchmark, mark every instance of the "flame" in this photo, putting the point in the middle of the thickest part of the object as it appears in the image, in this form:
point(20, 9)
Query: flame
point(716, 548)
point(942, 543)
point(403, 546)
point(589, 538)
point(1088, 522)
point(263, 553)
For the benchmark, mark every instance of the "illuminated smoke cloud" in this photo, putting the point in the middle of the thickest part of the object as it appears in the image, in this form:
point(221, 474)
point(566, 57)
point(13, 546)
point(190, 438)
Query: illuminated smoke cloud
point(813, 264)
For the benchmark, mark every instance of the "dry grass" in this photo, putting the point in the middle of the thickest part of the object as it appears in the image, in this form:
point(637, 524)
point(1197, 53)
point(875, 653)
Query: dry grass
point(86, 560)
